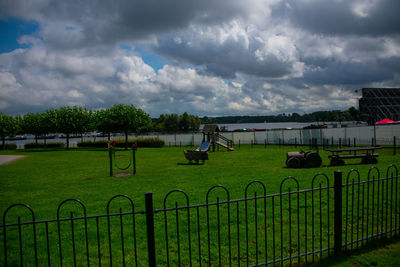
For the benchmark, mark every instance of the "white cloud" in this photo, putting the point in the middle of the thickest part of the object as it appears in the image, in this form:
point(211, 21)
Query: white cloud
point(245, 57)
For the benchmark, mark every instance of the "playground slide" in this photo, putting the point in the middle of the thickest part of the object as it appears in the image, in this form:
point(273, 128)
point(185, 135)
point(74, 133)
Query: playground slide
point(205, 146)
point(225, 146)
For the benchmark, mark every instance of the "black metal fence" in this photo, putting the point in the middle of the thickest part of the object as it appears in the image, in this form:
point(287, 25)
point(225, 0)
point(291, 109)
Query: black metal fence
point(291, 226)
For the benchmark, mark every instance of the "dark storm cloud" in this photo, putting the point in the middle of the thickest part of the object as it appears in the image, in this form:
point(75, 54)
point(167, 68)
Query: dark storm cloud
point(349, 73)
point(235, 54)
point(100, 22)
point(221, 56)
point(344, 17)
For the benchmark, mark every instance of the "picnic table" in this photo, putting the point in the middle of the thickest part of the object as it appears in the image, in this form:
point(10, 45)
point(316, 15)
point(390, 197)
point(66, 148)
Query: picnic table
point(367, 154)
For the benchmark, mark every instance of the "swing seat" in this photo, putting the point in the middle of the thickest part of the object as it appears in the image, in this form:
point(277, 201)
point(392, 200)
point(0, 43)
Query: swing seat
point(196, 155)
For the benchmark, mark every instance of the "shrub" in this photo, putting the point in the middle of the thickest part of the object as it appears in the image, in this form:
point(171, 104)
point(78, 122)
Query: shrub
point(11, 146)
point(142, 142)
point(43, 145)
point(88, 143)
point(150, 142)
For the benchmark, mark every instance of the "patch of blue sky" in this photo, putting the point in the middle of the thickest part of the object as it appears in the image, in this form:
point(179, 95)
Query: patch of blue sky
point(11, 30)
point(155, 61)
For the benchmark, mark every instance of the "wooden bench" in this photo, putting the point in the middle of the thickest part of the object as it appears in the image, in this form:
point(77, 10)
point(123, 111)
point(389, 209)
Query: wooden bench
point(368, 157)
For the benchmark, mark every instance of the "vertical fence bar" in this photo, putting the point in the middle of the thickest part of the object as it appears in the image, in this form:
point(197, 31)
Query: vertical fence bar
point(48, 244)
point(20, 241)
point(238, 232)
point(273, 228)
point(305, 227)
point(151, 247)
point(110, 156)
point(198, 233)
point(362, 216)
point(338, 212)
point(98, 241)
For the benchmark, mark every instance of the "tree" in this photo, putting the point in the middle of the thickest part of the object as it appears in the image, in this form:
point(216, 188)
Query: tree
point(103, 122)
point(75, 120)
point(354, 113)
point(194, 123)
point(128, 119)
point(49, 122)
point(176, 123)
point(184, 122)
point(8, 127)
point(32, 124)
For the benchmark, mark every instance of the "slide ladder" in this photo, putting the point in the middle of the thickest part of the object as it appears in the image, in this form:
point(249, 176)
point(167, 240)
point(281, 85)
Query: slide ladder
point(228, 143)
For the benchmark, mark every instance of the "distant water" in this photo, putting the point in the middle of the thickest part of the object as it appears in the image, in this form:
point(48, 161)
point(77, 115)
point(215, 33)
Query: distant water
point(267, 125)
point(276, 125)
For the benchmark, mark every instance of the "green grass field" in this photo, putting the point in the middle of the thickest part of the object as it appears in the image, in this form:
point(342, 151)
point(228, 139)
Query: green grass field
point(43, 179)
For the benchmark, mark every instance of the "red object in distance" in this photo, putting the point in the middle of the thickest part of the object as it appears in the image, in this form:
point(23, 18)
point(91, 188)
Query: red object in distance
point(385, 121)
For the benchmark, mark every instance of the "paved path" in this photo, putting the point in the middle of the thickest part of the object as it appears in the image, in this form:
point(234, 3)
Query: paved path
point(4, 159)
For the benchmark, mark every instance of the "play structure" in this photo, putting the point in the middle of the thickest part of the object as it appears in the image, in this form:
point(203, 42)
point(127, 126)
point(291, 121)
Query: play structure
point(211, 139)
point(303, 159)
point(129, 169)
point(211, 134)
point(200, 153)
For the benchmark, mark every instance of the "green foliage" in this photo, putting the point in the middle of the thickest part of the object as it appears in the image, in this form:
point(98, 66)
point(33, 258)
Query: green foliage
point(150, 142)
point(8, 127)
point(332, 115)
point(75, 120)
point(175, 123)
point(126, 119)
point(88, 143)
point(103, 121)
point(141, 142)
point(43, 145)
point(10, 146)
point(32, 123)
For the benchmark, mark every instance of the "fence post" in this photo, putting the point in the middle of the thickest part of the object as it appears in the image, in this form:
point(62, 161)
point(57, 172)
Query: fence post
point(338, 213)
point(394, 145)
point(151, 247)
point(110, 156)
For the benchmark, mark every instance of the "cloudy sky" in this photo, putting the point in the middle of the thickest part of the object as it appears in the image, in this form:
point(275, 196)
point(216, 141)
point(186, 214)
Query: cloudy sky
point(208, 57)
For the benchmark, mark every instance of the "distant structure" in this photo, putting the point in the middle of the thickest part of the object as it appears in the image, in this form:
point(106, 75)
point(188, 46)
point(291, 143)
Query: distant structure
point(211, 135)
point(379, 103)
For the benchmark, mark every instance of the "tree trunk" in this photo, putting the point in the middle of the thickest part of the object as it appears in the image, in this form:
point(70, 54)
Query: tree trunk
point(109, 136)
point(4, 142)
point(126, 140)
point(67, 141)
point(36, 139)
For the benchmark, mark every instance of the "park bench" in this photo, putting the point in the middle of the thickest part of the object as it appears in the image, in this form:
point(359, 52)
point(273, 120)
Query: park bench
point(367, 155)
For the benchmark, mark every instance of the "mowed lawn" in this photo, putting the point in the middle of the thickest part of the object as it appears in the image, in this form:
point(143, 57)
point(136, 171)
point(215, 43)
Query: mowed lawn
point(43, 179)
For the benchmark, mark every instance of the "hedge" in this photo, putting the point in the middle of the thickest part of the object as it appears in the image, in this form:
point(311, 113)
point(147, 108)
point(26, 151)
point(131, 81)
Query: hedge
point(141, 142)
point(43, 145)
point(10, 146)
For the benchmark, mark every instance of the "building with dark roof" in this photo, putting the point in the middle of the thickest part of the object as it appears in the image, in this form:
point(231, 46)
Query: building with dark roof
point(379, 103)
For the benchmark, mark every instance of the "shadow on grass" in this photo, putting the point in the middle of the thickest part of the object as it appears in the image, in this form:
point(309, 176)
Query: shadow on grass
point(191, 163)
point(355, 257)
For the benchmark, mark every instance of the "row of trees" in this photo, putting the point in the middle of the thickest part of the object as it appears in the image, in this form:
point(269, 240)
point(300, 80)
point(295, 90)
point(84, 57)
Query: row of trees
point(352, 114)
point(76, 120)
point(177, 123)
